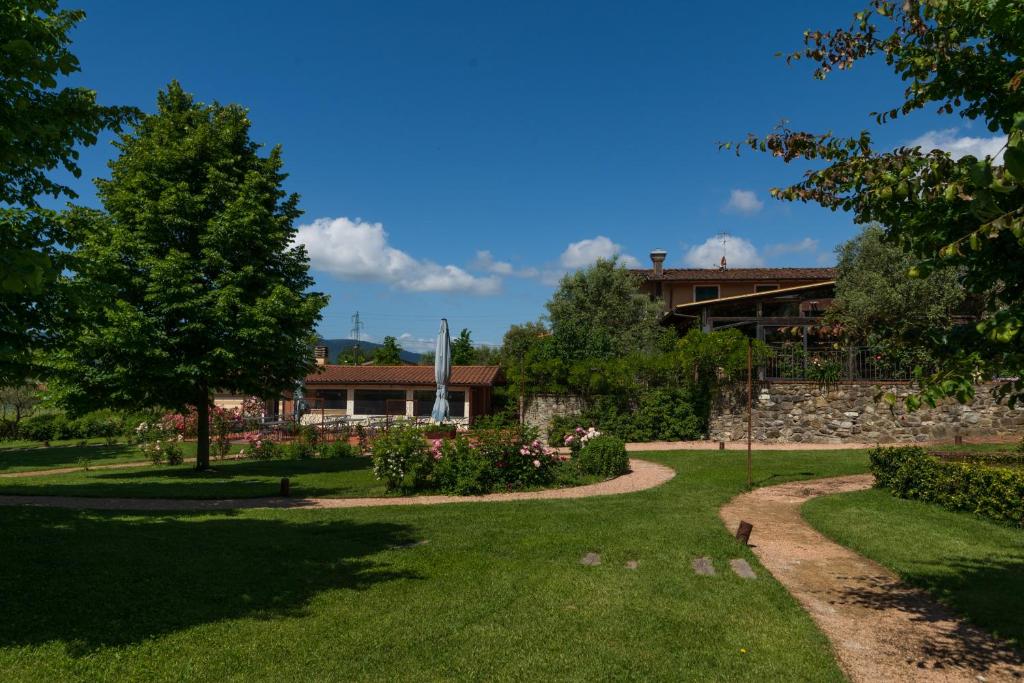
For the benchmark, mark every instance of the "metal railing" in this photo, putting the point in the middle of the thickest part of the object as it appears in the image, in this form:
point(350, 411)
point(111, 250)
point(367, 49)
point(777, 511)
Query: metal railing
point(793, 362)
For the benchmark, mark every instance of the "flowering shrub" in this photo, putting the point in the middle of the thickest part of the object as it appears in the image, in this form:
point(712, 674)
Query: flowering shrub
point(260, 447)
point(399, 453)
point(460, 468)
point(159, 442)
point(501, 458)
point(578, 438)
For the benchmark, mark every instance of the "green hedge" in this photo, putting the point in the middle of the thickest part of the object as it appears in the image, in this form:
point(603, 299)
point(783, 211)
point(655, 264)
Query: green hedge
point(603, 455)
point(911, 472)
point(54, 426)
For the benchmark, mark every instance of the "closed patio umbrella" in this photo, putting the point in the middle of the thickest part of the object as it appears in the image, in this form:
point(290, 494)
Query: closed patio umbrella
point(442, 373)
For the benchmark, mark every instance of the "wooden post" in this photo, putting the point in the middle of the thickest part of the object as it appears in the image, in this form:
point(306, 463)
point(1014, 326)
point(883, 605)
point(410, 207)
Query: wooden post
point(743, 532)
point(750, 408)
point(285, 487)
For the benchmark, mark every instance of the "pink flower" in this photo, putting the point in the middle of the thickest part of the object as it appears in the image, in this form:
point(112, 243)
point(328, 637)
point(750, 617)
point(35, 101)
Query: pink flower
point(524, 450)
point(536, 463)
point(569, 438)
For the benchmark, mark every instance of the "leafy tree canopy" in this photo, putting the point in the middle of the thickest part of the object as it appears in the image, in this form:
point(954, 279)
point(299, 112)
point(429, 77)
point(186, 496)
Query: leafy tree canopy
point(600, 312)
point(388, 353)
point(463, 352)
point(877, 299)
point(353, 355)
point(41, 127)
point(958, 56)
point(189, 277)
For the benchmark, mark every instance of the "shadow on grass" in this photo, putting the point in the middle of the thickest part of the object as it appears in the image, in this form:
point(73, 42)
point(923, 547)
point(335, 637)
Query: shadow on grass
point(92, 580)
point(990, 595)
point(56, 456)
point(227, 469)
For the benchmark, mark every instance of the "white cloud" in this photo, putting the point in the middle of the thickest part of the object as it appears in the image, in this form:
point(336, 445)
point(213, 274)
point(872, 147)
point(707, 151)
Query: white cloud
point(585, 252)
point(739, 253)
point(743, 201)
point(357, 250)
point(959, 146)
point(485, 261)
point(416, 344)
point(806, 245)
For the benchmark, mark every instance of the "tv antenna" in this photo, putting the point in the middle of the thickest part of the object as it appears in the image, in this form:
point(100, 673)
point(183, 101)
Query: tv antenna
point(723, 264)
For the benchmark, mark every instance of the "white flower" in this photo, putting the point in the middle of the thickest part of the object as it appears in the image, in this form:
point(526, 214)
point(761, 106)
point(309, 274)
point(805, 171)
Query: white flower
point(536, 463)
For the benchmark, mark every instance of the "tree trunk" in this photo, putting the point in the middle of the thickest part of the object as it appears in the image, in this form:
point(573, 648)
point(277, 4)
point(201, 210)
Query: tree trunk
point(203, 428)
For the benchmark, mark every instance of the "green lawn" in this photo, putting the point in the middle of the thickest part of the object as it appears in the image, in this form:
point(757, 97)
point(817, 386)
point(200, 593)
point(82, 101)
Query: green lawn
point(497, 593)
point(971, 564)
point(331, 477)
point(22, 456)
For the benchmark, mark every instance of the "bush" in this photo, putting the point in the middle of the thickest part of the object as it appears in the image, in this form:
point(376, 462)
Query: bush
point(337, 449)
point(603, 455)
point(518, 458)
point(41, 427)
point(461, 469)
point(400, 453)
point(263, 448)
point(654, 415)
point(910, 472)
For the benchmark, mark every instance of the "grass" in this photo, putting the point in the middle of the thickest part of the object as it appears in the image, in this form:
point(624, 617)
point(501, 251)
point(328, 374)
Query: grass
point(497, 593)
point(331, 477)
point(971, 564)
point(347, 477)
point(20, 456)
point(23, 456)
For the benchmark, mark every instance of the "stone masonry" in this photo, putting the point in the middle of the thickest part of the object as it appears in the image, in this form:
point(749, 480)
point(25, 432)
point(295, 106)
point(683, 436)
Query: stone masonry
point(805, 412)
point(540, 408)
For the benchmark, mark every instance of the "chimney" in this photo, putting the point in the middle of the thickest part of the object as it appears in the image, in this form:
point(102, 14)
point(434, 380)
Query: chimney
point(320, 354)
point(657, 259)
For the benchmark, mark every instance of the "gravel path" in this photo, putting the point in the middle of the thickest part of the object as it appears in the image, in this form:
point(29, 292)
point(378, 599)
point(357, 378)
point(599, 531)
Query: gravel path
point(643, 475)
point(881, 629)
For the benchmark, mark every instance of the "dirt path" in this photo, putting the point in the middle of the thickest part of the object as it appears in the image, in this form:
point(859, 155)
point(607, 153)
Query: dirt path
point(881, 629)
point(643, 475)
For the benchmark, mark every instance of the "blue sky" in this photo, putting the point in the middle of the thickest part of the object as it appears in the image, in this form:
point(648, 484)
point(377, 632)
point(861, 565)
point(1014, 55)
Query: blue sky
point(454, 158)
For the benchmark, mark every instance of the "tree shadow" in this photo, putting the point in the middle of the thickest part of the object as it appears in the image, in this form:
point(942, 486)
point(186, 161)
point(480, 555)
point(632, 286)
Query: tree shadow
point(91, 580)
point(55, 456)
point(228, 469)
point(986, 595)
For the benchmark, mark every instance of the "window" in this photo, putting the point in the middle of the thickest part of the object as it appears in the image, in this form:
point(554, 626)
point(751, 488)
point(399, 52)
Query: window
point(330, 399)
point(456, 403)
point(765, 288)
point(423, 403)
point(705, 292)
point(379, 402)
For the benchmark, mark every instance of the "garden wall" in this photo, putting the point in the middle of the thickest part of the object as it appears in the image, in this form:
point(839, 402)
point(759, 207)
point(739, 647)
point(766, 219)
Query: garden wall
point(540, 408)
point(804, 412)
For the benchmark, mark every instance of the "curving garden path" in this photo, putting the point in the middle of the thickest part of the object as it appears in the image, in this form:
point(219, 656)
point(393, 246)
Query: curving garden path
point(643, 475)
point(881, 629)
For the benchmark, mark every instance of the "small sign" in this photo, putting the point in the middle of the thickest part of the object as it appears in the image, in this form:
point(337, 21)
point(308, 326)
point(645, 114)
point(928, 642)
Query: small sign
point(743, 533)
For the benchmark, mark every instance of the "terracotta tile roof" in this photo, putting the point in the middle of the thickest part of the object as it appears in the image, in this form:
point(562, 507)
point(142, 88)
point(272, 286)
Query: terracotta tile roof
point(415, 375)
point(767, 274)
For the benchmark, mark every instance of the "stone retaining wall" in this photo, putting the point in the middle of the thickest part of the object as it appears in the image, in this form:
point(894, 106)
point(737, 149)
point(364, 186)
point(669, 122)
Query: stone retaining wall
point(804, 412)
point(540, 408)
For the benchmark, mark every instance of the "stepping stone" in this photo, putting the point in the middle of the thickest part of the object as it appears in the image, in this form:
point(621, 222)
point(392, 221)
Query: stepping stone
point(632, 564)
point(703, 567)
point(591, 559)
point(413, 544)
point(742, 569)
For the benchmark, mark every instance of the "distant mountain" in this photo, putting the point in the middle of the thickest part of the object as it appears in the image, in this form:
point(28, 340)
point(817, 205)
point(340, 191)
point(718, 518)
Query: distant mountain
point(336, 346)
